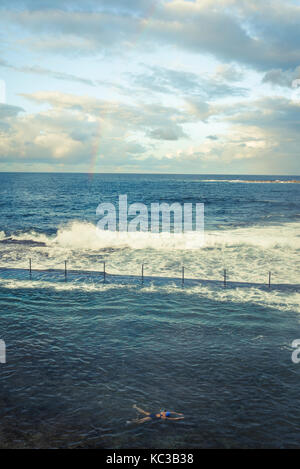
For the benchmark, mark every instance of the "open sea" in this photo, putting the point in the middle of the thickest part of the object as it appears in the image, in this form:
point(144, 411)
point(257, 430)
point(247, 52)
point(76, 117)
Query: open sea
point(81, 350)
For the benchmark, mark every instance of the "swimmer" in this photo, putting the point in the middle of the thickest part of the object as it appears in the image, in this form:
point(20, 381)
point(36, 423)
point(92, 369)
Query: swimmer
point(163, 415)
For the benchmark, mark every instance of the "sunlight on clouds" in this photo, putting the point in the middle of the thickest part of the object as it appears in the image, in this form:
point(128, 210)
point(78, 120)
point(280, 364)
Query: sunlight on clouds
point(170, 86)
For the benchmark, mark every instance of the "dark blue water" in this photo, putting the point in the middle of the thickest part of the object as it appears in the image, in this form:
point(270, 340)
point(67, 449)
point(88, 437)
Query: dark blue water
point(81, 351)
point(42, 202)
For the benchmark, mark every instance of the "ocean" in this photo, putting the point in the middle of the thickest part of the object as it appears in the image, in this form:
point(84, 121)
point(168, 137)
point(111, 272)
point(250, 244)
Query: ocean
point(81, 350)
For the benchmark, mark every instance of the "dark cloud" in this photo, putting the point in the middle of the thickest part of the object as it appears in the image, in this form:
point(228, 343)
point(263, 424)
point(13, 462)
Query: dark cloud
point(281, 77)
point(6, 110)
point(212, 137)
point(172, 132)
point(263, 35)
point(274, 114)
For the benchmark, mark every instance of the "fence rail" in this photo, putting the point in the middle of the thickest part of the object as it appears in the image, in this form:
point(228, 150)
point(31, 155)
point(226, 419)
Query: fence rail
point(65, 272)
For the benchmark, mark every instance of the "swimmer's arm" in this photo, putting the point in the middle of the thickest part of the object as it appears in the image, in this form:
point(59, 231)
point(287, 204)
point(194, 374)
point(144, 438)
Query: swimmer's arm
point(175, 418)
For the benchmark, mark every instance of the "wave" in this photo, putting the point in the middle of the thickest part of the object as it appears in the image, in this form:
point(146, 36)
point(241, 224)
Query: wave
point(272, 299)
point(87, 237)
point(26, 242)
point(247, 253)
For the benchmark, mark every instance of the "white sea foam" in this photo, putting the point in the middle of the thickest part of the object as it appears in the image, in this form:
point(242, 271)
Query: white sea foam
point(65, 286)
point(247, 253)
point(249, 181)
point(86, 236)
point(272, 299)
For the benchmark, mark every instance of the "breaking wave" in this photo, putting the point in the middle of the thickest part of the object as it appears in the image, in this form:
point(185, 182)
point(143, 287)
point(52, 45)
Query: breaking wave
point(248, 254)
point(249, 181)
point(86, 236)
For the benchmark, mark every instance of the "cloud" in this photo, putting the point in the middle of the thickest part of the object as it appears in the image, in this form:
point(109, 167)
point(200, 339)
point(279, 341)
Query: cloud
point(79, 5)
point(201, 110)
point(212, 137)
point(263, 35)
point(169, 133)
point(46, 136)
point(7, 113)
point(97, 30)
point(143, 117)
point(229, 72)
point(75, 130)
point(168, 117)
point(170, 81)
point(48, 73)
point(263, 137)
point(68, 46)
point(283, 78)
point(265, 131)
point(7, 110)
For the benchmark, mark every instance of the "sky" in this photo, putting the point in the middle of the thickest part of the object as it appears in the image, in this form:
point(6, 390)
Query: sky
point(150, 86)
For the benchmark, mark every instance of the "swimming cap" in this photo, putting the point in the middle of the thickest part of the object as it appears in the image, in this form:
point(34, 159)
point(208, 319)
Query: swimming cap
point(168, 414)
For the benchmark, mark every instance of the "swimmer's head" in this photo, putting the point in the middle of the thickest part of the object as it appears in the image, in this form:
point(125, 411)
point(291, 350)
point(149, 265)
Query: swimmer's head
point(164, 413)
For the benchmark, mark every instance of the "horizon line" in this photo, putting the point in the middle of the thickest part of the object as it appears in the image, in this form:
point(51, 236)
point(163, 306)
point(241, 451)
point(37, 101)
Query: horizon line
point(150, 173)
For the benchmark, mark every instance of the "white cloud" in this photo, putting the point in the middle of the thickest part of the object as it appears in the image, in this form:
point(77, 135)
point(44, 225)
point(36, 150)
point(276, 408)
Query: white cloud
point(37, 70)
point(77, 129)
